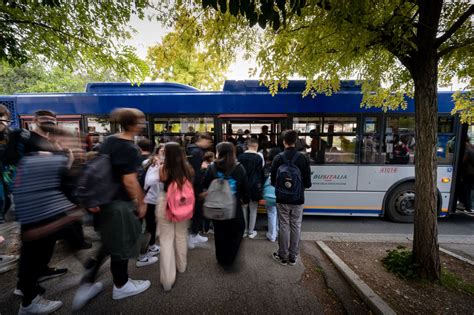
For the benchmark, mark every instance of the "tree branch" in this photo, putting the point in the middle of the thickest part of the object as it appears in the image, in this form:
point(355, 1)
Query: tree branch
point(53, 29)
point(465, 16)
point(449, 49)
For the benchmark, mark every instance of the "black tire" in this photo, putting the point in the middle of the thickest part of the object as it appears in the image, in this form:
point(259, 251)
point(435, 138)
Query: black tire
point(400, 205)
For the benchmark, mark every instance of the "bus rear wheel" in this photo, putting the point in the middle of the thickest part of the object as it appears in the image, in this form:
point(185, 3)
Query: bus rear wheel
point(400, 205)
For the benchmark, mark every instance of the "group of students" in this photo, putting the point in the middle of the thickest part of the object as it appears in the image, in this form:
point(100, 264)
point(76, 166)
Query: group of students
point(170, 174)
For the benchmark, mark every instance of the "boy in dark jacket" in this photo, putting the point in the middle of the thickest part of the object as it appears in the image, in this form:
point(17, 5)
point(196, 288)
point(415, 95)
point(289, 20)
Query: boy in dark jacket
point(290, 206)
point(253, 163)
point(195, 153)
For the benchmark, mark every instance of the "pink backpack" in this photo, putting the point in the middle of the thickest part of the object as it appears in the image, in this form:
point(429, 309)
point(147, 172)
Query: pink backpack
point(180, 202)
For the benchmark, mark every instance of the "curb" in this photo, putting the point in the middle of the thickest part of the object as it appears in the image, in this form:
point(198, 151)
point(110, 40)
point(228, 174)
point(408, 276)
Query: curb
point(381, 238)
point(466, 260)
point(374, 301)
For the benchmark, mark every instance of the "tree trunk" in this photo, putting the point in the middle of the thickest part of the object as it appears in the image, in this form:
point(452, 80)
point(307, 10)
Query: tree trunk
point(425, 241)
point(425, 76)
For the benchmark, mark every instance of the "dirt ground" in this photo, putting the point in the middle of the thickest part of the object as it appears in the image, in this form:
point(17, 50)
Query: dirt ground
point(407, 297)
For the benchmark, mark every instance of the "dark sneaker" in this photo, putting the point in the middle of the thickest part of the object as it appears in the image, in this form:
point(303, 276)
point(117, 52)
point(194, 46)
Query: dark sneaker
point(52, 273)
point(292, 261)
point(277, 257)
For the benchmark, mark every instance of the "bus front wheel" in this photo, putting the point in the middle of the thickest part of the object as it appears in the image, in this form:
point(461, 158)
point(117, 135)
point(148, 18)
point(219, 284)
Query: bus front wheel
point(400, 205)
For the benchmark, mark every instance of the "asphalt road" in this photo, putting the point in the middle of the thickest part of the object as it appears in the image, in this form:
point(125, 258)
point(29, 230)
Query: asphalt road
point(457, 224)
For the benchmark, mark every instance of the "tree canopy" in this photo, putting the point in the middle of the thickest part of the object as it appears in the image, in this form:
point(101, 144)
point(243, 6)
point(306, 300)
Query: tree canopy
point(197, 51)
point(37, 77)
point(76, 34)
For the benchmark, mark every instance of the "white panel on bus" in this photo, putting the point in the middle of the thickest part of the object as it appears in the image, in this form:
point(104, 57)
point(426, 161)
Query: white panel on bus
point(445, 205)
point(343, 203)
point(333, 177)
point(381, 178)
point(446, 173)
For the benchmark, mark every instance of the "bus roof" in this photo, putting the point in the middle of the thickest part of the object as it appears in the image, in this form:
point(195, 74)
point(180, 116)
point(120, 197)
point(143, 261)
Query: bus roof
point(238, 97)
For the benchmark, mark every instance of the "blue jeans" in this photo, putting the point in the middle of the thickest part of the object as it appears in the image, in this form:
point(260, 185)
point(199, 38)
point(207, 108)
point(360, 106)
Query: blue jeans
point(272, 233)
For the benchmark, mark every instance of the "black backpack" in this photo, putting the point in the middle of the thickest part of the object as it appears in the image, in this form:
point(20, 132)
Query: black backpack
point(289, 184)
point(96, 185)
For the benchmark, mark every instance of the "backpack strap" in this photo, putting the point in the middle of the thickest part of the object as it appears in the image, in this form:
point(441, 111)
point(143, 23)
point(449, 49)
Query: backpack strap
point(227, 174)
point(295, 157)
point(283, 156)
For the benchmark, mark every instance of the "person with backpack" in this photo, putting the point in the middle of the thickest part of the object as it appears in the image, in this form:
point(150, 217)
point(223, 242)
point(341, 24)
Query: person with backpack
point(43, 209)
point(226, 189)
point(152, 187)
point(174, 210)
point(118, 219)
point(290, 175)
point(270, 198)
point(253, 163)
point(195, 153)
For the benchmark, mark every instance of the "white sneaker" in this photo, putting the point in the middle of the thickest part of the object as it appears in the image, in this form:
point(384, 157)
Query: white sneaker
point(190, 243)
point(8, 262)
point(18, 292)
point(40, 305)
point(132, 287)
point(146, 260)
point(154, 250)
point(198, 239)
point(252, 234)
point(85, 293)
point(246, 234)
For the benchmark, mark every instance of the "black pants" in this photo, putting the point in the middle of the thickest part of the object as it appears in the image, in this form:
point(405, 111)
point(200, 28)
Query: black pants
point(465, 197)
point(118, 268)
point(196, 224)
point(34, 258)
point(228, 236)
point(150, 220)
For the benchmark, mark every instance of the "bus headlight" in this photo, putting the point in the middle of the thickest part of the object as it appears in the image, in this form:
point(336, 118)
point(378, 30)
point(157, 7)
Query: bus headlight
point(445, 180)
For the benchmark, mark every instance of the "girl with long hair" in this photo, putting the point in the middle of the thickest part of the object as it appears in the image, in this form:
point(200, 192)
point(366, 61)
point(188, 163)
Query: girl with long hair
point(173, 235)
point(228, 233)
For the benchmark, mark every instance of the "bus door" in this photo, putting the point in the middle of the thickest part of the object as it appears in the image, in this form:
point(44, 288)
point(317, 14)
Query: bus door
point(459, 189)
point(259, 126)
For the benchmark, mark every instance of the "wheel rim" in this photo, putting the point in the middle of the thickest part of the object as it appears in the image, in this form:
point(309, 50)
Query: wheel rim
point(405, 203)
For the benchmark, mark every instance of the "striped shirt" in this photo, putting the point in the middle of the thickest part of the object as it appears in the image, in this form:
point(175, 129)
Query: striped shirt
point(37, 191)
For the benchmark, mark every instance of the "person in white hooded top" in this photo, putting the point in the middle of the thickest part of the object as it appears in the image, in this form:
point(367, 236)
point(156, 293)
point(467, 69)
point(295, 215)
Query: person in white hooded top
point(152, 188)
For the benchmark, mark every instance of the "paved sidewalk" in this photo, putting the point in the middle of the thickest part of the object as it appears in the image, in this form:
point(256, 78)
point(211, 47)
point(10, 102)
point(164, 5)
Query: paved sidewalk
point(261, 286)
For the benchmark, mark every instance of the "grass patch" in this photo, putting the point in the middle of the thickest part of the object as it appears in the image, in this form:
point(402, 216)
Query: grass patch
point(400, 262)
point(452, 281)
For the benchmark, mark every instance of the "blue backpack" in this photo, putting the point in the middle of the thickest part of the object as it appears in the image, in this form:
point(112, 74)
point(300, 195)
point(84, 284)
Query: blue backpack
point(289, 185)
point(269, 193)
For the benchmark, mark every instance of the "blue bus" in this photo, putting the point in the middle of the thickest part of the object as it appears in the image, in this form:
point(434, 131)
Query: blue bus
point(362, 159)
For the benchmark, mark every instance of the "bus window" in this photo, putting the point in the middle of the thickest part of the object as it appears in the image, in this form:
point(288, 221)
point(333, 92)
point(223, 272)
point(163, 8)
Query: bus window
point(340, 124)
point(328, 139)
point(399, 140)
point(446, 140)
point(180, 129)
point(265, 130)
point(370, 141)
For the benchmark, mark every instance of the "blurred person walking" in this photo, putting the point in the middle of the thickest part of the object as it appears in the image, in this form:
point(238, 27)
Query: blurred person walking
point(43, 209)
point(118, 221)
